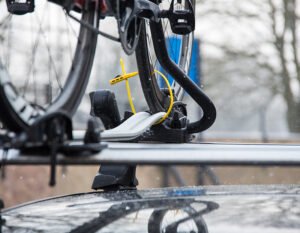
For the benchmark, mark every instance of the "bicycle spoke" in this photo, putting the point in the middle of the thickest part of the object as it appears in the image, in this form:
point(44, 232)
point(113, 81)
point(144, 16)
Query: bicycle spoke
point(68, 25)
point(33, 55)
point(51, 57)
point(71, 28)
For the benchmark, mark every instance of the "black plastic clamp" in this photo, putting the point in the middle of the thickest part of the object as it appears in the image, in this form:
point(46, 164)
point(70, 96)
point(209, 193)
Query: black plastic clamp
point(20, 8)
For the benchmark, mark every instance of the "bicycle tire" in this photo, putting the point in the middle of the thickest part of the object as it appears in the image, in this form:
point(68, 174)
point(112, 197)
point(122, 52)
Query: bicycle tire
point(17, 114)
point(156, 221)
point(156, 98)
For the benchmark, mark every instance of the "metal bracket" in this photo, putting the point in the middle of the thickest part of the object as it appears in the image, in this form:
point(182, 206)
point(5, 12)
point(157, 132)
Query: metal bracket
point(130, 129)
point(133, 127)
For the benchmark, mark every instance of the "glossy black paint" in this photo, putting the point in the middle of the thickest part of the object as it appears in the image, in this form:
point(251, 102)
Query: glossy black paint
point(204, 209)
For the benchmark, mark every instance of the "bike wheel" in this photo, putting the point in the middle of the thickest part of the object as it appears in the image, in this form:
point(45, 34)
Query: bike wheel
point(45, 62)
point(180, 51)
point(176, 220)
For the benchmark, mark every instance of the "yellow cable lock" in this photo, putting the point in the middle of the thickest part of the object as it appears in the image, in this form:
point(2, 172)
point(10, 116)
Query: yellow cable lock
point(127, 76)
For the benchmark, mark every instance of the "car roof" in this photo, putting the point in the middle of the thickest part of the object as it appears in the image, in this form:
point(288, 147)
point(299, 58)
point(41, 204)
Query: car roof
point(273, 208)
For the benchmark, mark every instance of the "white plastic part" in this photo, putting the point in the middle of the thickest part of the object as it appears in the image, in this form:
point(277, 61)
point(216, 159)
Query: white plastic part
point(133, 127)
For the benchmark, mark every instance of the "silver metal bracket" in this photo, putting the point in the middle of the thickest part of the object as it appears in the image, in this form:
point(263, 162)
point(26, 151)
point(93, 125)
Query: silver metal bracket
point(130, 129)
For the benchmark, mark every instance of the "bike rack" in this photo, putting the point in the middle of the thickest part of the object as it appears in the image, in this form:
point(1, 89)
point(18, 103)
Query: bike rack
point(216, 154)
point(130, 129)
point(207, 106)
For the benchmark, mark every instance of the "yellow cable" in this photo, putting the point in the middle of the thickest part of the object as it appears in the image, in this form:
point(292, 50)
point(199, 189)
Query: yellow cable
point(122, 65)
point(171, 96)
point(129, 97)
point(127, 76)
point(127, 87)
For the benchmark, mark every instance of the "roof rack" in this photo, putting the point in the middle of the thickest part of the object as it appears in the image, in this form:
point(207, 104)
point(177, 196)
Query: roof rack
point(169, 154)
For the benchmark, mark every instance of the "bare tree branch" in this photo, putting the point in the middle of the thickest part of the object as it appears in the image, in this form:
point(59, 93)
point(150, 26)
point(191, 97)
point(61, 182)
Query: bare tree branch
point(294, 30)
point(279, 44)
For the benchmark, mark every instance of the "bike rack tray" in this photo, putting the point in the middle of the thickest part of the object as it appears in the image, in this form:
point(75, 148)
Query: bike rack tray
point(130, 129)
point(170, 154)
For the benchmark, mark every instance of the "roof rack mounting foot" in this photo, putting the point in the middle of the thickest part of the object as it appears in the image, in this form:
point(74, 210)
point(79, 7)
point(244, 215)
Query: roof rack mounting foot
point(115, 177)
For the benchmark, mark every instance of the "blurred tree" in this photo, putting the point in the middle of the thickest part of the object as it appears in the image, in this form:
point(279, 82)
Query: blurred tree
point(254, 45)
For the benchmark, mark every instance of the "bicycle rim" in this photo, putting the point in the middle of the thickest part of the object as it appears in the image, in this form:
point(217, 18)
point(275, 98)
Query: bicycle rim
point(180, 51)
point(160, 220)
point(45, 62)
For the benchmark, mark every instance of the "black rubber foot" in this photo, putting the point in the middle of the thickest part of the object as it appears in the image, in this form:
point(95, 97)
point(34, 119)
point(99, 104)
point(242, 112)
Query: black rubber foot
point(115, 177)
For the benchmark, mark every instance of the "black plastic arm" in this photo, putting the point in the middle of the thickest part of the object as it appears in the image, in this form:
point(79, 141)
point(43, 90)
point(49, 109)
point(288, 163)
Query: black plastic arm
point(209, 110)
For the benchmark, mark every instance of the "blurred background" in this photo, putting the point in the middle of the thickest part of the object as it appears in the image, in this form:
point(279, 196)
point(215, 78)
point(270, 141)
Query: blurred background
point(247, 61)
